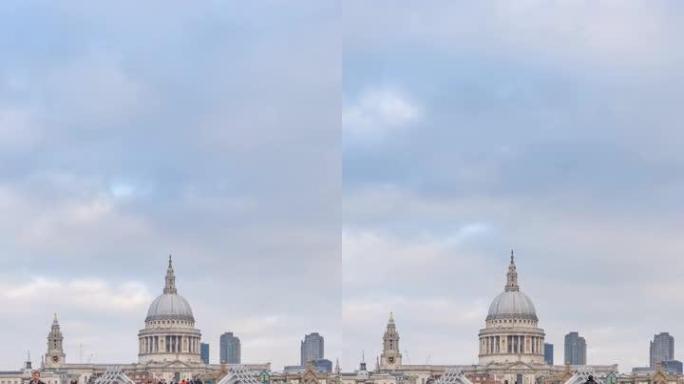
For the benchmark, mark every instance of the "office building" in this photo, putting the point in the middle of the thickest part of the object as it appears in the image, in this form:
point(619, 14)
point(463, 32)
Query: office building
point(230, 349)
point(673, 367)
point(312, 348)
point(204, 352)
point(548, 353)
point(575, 349)
point(661, 349)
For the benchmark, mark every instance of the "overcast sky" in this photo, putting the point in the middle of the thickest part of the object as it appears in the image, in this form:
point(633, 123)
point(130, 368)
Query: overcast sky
point(128, 131)
point(551, 127)
point(212, 131)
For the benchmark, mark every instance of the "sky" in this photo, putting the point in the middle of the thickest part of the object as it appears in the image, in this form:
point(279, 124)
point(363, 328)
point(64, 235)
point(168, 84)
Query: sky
point(207, 130)
point(313, 166)
point(548, 127)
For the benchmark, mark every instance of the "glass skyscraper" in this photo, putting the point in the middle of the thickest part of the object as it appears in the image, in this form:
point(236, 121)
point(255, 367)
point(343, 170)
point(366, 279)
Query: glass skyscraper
point(575, 349)
point(661, 349)
point(204, 352)
point(312, 348)
point(548, 353)
point(230, 348)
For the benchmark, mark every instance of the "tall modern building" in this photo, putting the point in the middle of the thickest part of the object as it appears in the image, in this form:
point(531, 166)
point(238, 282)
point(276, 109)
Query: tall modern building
point(230, 348)
point(311, 348)
point(548, 353)
point(662, 349)
point(204, 352)
point(575, 349)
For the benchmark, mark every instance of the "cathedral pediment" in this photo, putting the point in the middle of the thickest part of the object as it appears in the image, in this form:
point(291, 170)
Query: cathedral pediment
point(309, 376)
point(659, 377)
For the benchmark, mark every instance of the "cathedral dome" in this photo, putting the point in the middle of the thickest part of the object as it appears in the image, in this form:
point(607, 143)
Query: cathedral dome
point(512, 304)
point(169, 334)
point(170, 305)
point(511, 333)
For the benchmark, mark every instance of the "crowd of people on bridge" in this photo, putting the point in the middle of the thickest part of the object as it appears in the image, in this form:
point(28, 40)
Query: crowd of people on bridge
point(183, 381)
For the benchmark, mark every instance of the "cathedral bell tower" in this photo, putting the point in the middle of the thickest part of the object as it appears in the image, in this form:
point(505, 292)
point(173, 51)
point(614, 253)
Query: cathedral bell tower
point(55, 352)
point(390, 357)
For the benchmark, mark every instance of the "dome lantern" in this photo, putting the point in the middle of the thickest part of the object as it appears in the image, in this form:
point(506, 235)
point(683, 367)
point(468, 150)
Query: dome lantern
point(512, 276)
point(170, 286)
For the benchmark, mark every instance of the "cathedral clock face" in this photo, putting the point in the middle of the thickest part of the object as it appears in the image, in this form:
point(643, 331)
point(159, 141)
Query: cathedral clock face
point(55, 358)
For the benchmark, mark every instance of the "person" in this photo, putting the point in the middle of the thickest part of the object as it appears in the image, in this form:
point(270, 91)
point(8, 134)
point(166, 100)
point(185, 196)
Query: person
point(35, 377)
point(590, 380)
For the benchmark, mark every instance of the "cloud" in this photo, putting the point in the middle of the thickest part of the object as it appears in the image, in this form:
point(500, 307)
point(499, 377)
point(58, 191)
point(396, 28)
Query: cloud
point(92, 312)
point(377, 112)
point(367, 251)
point(18, 129)
point(568, 34)
point(89, 295)
point(93, 91)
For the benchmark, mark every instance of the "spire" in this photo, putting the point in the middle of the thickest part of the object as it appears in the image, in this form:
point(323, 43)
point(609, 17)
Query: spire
point(55, 324)
point(337, 366)
point(27, 364)
point(54, 329)
point(362, 366)
point(512, 276)
point(170, 286)
point(391, 325)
